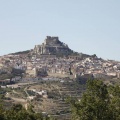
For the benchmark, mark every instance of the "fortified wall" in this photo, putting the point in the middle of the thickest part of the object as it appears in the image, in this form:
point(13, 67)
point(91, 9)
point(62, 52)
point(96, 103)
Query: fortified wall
point(52, 46)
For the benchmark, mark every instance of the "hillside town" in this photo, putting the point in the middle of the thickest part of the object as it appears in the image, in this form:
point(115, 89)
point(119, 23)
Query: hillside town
point(43, 61)
point(48, 75)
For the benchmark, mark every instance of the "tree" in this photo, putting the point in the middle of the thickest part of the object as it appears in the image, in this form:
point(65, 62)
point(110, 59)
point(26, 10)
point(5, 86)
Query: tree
point(114, 105)
point(18, 112)
point(95, 103)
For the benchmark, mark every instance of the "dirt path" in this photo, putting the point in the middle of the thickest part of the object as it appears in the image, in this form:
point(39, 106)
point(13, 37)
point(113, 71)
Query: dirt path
point(20, 100)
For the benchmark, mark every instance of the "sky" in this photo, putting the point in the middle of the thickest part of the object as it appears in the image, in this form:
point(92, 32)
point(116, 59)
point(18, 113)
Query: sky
point(87, 26)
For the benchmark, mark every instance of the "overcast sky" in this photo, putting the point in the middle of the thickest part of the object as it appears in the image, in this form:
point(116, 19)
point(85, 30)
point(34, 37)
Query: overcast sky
point(87, 26)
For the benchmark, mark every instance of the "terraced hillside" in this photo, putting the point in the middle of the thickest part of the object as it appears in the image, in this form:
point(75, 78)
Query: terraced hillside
point(47, 96)
point(57, 91)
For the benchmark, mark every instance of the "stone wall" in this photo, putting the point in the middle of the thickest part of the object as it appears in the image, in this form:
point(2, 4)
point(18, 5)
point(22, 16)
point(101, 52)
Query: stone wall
point(52, 46)
point(51, 40)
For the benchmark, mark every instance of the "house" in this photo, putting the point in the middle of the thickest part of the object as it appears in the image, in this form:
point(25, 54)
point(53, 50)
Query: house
point(31, 97)
point(13, 86)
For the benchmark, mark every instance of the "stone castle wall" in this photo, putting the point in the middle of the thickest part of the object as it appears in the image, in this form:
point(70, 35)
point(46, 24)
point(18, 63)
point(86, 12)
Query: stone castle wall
point(52, 45)
point(51, 40)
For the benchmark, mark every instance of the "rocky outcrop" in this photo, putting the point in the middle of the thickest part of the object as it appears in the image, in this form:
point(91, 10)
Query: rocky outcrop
point(52, 46)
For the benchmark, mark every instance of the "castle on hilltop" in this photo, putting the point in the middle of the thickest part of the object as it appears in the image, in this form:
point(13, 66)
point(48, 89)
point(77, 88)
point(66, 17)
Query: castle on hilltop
point(51, 40)
point(52, 46)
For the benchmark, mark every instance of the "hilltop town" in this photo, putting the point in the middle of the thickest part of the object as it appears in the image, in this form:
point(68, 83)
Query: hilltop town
point(55, 58)
point(50, 73)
